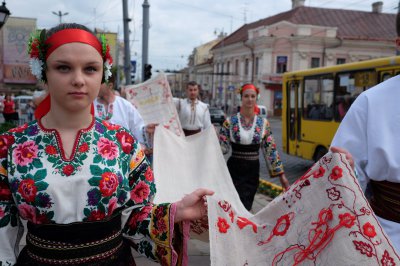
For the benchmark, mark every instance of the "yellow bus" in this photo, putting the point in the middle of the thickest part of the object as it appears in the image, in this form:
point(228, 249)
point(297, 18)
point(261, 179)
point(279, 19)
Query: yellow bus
point(315, 101)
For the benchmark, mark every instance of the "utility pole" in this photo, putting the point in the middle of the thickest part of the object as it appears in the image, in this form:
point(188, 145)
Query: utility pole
point(127, 59)
point(145, 36)
point(60, 15)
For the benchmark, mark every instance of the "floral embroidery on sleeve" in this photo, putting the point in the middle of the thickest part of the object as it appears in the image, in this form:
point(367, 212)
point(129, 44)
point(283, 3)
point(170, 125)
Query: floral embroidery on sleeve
point(270, 151)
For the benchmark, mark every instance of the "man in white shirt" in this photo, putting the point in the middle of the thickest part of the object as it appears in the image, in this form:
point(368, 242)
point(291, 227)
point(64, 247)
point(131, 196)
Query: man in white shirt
point(370, 132)
point(119, 111)
point(193, 114)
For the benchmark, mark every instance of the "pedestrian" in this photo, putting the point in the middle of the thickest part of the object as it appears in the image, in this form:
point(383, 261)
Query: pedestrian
point(9, 111)
point(82, 183)
point(117, 110)
point(370, 131)
point(193, 113)
point(246, 132)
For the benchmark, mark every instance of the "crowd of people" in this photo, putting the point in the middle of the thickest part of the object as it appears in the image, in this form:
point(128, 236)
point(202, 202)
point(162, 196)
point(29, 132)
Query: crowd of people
point(81, 167)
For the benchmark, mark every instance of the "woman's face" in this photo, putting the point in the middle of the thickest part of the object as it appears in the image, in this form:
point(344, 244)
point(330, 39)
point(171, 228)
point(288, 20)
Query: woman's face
point(74, 73)
point(249, 98)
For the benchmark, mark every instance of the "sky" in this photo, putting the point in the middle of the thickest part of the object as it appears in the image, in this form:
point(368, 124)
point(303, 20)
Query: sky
point(176, 26)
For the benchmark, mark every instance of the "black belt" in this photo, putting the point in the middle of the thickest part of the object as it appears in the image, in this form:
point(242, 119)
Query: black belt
point(245, 152)
point(189, 132)
point(385, 200)
point(76, 243)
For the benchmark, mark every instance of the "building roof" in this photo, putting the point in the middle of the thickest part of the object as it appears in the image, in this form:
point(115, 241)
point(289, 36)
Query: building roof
point(351, 24)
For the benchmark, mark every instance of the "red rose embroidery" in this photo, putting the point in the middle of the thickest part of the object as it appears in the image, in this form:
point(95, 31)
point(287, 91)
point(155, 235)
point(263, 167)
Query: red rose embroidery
point(336, 173)
point(346, 219)
point(223, 225)
point(96, 216)
point(319, 173)
point(140, 192)
point(369, 230)
point(84, 147)
point(149, 175)
point(68, 169)
point(50, 150)
point(5, 142)
point(126, 141)
point(108, 184)
point(27, 189)
point(226, 206)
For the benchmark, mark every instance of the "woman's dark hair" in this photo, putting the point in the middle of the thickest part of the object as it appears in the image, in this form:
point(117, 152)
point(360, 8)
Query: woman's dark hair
point(60, 27)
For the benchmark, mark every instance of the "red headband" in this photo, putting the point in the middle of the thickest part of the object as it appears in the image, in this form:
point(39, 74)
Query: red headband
point(72, 35)
point(249, 87)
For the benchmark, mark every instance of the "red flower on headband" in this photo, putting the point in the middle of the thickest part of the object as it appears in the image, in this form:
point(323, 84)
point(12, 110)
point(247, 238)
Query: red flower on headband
point(35, 48)
point(108, 56)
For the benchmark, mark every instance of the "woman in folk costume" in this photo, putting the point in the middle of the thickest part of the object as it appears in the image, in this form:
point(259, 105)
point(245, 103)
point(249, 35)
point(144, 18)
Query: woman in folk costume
point(246, 132)
point(83, 184)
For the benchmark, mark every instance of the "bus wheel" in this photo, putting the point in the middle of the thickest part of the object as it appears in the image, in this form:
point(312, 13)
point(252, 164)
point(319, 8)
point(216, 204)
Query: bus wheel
point(319, 153)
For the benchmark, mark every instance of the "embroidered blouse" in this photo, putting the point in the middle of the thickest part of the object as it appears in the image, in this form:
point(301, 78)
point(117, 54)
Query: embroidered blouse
point(107, 171)
point(234, 130)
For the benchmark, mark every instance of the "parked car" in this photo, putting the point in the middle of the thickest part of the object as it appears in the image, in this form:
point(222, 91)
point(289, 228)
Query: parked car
point(263, 111)
point(217, 115)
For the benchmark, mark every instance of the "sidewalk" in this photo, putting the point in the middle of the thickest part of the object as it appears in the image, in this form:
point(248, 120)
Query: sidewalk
point(198, 251)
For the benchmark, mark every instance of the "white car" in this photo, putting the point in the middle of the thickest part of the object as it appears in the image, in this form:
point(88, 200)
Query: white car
point(263, 111)
point(21, 103)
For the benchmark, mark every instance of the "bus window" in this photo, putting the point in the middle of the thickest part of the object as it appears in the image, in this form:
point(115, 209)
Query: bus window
point(318, 98)
point(348, 87)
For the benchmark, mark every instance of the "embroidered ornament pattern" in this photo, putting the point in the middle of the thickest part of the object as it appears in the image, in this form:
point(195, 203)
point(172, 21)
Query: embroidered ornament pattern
point(322, 219)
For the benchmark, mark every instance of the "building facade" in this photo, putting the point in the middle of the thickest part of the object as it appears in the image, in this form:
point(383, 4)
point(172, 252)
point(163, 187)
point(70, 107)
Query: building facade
point(303, 37)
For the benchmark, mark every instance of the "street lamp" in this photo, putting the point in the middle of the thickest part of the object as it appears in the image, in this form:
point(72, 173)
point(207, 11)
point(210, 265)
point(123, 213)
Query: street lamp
point(4, 13)
point(60, 15)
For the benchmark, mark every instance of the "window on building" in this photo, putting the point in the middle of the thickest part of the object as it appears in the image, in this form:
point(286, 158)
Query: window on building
point(340, 61)
point(257, 65)
point(246, 67)
point(281, 64)
point(217, 70)
point(237, 67)
point(228, 67)
point(315, 62)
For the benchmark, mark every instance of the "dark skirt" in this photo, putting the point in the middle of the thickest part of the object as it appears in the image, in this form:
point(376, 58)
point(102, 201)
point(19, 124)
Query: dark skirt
point(97, 243)
point(245, 174)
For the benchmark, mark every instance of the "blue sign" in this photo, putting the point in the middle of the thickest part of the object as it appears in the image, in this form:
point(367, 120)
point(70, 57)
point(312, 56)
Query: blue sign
point(133, 66)
point(231, 87)
point(220, 89)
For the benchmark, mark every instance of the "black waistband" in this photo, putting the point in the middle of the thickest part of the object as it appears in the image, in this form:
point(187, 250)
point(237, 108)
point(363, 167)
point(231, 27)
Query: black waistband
point(245, 152)
point(75, 243)
point(385, 200)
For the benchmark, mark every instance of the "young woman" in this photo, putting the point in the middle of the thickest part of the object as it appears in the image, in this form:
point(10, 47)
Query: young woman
point(83, 184)
point(9, 112)
point(246, 132)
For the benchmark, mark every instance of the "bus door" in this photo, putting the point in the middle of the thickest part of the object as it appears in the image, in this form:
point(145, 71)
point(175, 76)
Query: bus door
point(293, 119)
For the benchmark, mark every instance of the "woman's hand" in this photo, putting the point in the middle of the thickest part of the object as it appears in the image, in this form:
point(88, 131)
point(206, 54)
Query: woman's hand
point(349, 157)
point(284, 182)
point(192, 206)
